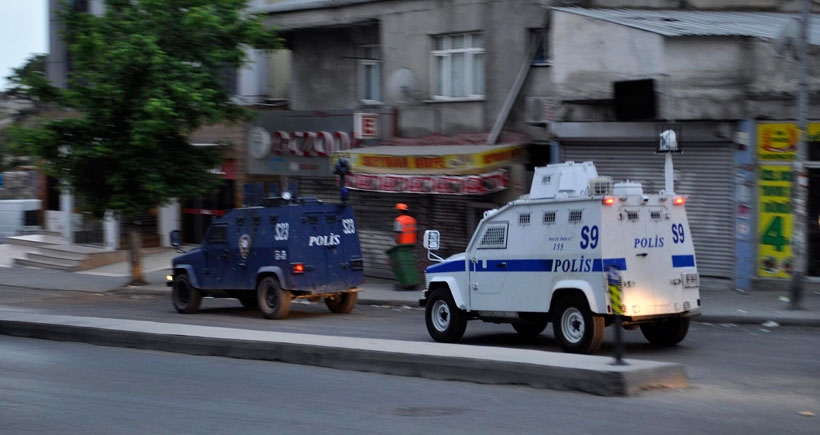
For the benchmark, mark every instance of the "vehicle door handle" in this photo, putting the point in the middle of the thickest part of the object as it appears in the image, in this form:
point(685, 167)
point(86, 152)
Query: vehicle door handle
point(642, 254)
point(502, 265)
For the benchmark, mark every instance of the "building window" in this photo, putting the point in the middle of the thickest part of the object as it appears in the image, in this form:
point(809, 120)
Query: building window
point(458, 66)
point(541, 57)
point(370, 73)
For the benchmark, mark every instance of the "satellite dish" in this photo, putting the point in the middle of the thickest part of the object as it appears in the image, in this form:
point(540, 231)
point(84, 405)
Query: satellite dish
point(786, 40)
point(403, 86)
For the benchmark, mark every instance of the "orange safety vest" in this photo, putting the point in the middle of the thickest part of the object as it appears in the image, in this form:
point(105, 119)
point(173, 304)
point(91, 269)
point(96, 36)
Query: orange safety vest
point(405, 230)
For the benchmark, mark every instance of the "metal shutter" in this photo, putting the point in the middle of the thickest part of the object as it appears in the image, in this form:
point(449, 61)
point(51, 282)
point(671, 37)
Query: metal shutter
point(704, 172)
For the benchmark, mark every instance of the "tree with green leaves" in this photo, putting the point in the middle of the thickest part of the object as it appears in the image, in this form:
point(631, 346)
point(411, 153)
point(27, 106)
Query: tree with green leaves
point(143, 76)
point(25, 103)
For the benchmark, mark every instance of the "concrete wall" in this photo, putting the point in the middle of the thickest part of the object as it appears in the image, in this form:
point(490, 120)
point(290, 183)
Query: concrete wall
point(697, 77)
point(12, 215)
point(705, 78)
point(324, 69)
point(19, 185)
point(323, 44)
point(589, 55)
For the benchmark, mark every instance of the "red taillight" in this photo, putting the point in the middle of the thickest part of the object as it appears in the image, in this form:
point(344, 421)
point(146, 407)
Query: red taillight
point(298, 268)
point(608, 200)
point(679, 200)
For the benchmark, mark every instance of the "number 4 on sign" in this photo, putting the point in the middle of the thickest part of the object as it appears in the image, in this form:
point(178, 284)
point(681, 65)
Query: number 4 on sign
point(773, 234)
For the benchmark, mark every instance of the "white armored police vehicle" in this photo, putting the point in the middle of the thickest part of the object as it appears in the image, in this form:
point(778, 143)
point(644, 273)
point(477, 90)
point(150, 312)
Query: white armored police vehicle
point(546, 257)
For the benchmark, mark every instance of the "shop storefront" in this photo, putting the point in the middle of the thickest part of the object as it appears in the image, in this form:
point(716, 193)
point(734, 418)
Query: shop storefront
point(447, 182)
point(448, 187)
point(776, 149)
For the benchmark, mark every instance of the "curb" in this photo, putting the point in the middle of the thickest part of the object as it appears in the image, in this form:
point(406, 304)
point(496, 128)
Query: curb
point(546, 370)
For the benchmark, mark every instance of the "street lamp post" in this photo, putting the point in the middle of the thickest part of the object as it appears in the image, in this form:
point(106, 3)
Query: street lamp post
point(800, 179)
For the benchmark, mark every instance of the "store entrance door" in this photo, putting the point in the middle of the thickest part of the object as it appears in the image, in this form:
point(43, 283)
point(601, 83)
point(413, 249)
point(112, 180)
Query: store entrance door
point(813, 224)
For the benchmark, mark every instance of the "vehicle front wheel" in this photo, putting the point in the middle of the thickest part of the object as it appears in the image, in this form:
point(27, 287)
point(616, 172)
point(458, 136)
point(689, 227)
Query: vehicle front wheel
point(273, 301)
point(667, 332)
point(186, 297)
point(576, 328)
point(342, 303)
point(445, 321)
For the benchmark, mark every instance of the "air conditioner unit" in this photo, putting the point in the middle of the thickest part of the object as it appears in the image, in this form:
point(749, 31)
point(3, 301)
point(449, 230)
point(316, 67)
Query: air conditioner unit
point(539, 110)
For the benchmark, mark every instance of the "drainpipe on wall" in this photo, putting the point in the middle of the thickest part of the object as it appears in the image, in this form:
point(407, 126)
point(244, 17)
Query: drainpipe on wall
point(516, 88)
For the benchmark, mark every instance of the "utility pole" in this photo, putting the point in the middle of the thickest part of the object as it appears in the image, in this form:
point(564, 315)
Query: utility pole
point(800, 179)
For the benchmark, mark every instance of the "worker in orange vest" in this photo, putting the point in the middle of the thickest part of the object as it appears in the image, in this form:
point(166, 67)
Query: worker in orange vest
point(404, 226)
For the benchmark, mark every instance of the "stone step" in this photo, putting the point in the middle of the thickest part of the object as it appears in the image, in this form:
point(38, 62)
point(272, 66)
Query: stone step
point(45, 257)
point(35, 240)
point(40, 264)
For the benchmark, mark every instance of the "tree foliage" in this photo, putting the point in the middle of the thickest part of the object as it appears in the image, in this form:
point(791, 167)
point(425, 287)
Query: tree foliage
point(27, 90)
point(30, 84)
point(142, 77)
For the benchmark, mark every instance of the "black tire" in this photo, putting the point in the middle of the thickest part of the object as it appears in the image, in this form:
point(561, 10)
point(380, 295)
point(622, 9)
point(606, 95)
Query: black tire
point(249, 301)
point(185, 296)
point(531, 327)
point(273, 301)
point(575, 327)
point(445, 321)
point(342, 303)
point(667, 332)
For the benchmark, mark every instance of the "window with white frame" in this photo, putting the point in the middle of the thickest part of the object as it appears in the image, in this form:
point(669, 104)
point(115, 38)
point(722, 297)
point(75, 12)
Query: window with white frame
point(370, 73)
point(458, 66)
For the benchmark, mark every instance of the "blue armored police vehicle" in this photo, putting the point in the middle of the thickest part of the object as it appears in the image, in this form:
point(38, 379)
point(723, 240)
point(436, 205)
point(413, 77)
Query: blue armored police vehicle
point(265, 256)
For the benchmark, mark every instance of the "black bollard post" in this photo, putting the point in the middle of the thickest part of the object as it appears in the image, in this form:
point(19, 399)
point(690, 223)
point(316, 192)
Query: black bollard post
point(615, 298)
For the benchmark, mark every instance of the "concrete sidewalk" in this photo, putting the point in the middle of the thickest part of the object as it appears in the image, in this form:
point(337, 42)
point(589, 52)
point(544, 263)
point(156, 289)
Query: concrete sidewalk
point(720, 302)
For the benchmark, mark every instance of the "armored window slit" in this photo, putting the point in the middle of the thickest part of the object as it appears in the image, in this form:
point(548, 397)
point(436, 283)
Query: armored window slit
point(495, 237)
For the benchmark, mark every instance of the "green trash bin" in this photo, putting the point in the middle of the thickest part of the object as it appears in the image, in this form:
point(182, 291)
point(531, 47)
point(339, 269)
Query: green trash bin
point(404, 265)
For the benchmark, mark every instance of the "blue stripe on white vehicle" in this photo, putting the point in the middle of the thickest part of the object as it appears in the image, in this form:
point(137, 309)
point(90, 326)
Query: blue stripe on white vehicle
point(683, 261)
point(449, 266)
point(541, 265)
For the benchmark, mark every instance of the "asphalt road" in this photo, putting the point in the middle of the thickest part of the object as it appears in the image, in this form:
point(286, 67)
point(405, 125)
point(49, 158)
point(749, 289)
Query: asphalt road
point(743, 359)
point(67, 388)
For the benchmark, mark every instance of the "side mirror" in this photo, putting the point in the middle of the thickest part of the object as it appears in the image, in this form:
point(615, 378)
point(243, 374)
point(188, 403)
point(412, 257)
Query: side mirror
point(431, 243)
point(432, 240)
point(176, 238)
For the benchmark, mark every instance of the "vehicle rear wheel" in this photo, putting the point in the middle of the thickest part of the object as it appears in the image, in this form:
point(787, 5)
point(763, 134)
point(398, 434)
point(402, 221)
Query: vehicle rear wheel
point(342, 303)
point(531, 327)
point(576, 328)
point(667, 332)
point(445, 321)
point(273, 301)
point(186, 297)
